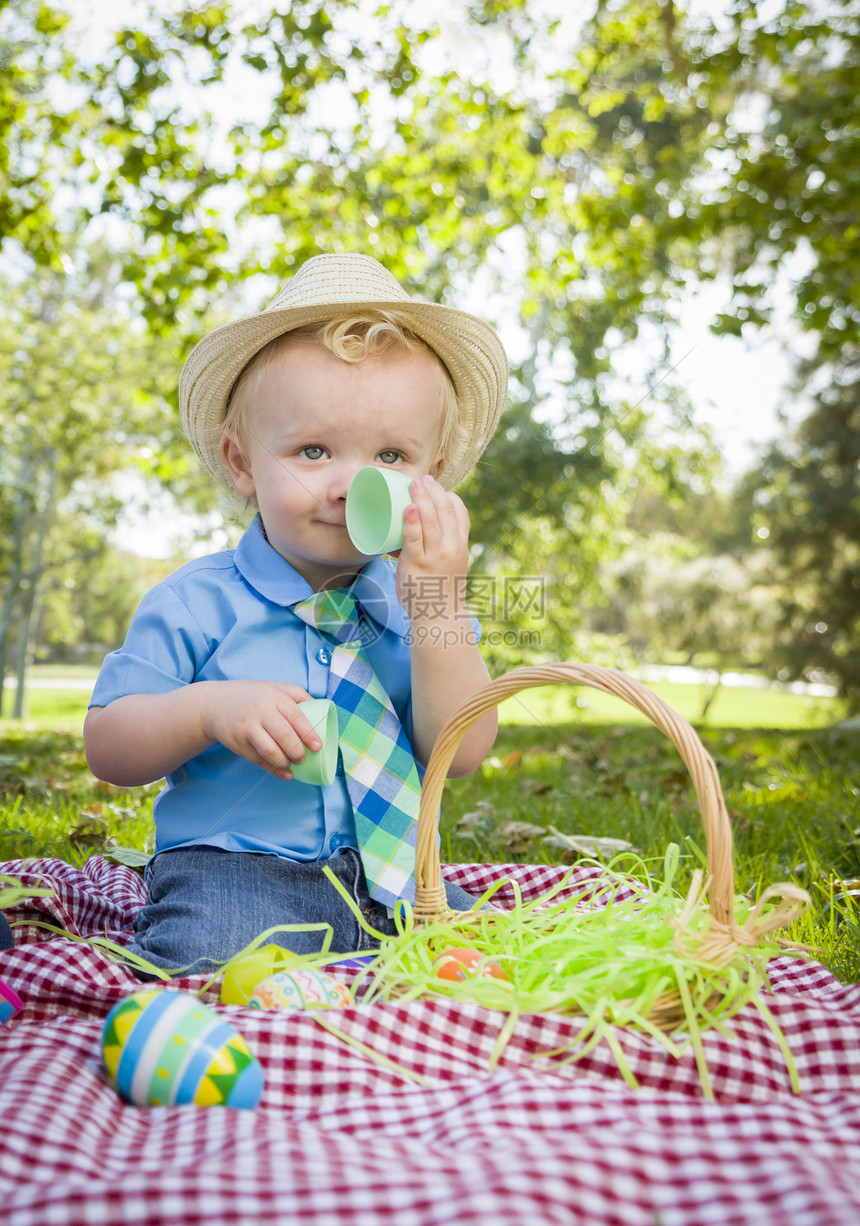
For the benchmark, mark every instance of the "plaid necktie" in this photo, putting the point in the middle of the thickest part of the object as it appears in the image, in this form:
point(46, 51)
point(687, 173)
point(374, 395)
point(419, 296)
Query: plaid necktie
point(382, 781)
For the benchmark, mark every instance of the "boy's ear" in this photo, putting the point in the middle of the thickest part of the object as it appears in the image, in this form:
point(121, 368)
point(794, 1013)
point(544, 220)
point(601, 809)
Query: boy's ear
point(239, 465)
point(438, 465)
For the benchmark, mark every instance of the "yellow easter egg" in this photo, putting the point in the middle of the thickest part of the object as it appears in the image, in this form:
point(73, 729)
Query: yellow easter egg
point(246, 972)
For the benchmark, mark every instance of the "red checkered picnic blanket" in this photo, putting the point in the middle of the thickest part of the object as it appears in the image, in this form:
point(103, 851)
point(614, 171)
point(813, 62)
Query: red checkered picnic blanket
point(342, 1140)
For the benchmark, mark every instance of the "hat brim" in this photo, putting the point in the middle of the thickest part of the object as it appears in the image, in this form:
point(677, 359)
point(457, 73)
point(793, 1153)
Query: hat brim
point(469, 348)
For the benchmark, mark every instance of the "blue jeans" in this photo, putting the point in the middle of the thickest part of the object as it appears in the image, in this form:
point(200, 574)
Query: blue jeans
point(205, 904)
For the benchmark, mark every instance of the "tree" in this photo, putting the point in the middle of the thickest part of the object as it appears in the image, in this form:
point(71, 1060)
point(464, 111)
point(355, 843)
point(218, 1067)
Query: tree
point(437, 173)
point(88, 601)
point(794, 197)
point(81, 398)
point(570, 194)
point(807, 511)
point(32, 125)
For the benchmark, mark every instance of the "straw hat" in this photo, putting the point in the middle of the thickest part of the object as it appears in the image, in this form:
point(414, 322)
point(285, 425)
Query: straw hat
point(330, 286)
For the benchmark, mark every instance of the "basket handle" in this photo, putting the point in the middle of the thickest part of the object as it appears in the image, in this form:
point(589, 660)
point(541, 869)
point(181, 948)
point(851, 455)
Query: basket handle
point(430, 901)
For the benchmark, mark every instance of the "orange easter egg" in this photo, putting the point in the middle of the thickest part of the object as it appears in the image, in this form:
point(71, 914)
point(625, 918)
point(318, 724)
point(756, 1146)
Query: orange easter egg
point(462, 963)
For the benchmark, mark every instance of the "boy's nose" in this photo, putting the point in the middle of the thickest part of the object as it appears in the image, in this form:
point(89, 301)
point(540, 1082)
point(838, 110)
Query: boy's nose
point(341, 480)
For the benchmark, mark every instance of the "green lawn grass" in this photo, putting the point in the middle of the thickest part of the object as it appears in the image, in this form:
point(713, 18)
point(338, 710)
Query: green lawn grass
point(733, 707)
point(61, 709)
point(792, 789)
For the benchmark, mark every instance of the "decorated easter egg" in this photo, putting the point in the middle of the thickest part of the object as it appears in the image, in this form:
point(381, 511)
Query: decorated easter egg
point(252, 968)
point(300, 989)
point(10, 1002)
point(164, 1048)
point(462, 963)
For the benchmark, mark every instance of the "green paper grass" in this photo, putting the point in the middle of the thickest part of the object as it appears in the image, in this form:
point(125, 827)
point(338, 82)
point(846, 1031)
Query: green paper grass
point(13, 893)
point(120, 954)
point(615, 961)
point(618, 961)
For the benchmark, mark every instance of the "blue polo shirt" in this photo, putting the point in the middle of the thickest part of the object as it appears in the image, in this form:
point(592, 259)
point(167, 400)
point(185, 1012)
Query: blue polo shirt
point(229, 617)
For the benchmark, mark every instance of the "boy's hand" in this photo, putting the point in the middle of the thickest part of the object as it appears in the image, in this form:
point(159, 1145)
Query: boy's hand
point(261, 721)
point(446, 665)
point(432, 566)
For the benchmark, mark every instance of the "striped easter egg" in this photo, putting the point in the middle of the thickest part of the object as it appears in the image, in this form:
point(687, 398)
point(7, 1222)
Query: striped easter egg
point(161, 1047)
point(10, 1002)
point(300, 989)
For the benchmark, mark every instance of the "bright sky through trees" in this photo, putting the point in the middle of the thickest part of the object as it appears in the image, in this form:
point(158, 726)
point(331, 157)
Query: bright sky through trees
point(736, 385)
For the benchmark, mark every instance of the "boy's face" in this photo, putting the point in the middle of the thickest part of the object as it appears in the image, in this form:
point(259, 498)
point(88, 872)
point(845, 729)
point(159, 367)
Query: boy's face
point(314, 422)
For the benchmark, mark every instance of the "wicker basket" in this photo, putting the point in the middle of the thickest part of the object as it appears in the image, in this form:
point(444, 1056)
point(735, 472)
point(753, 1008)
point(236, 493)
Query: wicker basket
point(724, 936)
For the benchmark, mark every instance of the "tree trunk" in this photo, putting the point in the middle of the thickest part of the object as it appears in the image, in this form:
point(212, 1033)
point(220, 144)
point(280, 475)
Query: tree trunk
point(709, 698)
point(22, 644)
point(43, 523)
point(22, 511)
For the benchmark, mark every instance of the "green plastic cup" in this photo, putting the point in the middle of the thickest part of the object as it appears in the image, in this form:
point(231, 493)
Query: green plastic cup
point(320, 766)
point(375, 503)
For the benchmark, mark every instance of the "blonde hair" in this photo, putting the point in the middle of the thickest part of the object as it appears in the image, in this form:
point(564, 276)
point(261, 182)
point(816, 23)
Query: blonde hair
point(352, 339)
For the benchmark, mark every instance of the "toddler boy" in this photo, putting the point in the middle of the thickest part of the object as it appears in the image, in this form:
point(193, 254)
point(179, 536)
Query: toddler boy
point(342, 370)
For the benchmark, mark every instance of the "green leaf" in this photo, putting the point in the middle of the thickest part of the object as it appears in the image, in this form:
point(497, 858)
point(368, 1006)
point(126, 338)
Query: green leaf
point(131, 857)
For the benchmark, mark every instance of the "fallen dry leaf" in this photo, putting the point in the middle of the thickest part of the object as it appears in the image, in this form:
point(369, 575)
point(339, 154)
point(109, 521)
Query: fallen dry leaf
point(479, 823)
point(585, 845)
point(516, 836)
point(532, 787)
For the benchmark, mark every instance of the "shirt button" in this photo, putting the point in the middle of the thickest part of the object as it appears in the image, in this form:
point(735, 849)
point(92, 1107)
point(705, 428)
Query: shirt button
point(323, 656)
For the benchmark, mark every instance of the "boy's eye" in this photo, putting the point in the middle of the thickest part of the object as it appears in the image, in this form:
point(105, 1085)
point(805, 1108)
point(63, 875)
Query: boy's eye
point(389, 457)
point(313, 453)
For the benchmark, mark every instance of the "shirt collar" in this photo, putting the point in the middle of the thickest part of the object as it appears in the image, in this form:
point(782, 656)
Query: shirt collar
point(263, 568)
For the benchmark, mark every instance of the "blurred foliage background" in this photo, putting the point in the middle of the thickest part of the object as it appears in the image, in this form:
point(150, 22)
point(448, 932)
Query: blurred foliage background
point(572, 178)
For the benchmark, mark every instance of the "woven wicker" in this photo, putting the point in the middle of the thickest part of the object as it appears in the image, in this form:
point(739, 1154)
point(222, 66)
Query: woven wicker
point(724, 936)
